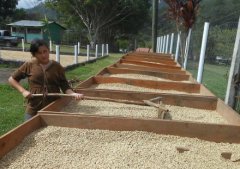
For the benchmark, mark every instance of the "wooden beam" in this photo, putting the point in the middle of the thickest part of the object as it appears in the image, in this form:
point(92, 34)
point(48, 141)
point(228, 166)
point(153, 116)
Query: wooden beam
point(170, 76)
point(163, 85)
point(135, 58)
point(199, 102)
point(205, 131)
point(148, 68)
point(157, 65)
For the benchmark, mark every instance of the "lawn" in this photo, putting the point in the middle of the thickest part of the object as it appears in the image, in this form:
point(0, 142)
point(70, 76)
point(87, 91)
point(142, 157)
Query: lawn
point(12, 103)
point(215, 78)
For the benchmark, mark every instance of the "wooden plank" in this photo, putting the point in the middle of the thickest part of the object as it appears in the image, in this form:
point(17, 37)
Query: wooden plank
point(170, 76)
point(135, 58)
point(86, 83)
point(204, 131)
point(199, 102)
point(14, 137)
point(228, 113)
point(153, 55)
point(144, 63)
point(163, 85)
point(152, 58)
point(147, 68)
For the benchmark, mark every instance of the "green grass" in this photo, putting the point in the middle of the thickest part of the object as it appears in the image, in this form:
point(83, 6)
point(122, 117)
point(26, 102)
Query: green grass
point(88, 70)
point(12, 103)
point(11, 108)
point(215, 78)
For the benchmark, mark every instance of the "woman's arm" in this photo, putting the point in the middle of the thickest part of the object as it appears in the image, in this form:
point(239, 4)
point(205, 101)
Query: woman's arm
point(19, 87)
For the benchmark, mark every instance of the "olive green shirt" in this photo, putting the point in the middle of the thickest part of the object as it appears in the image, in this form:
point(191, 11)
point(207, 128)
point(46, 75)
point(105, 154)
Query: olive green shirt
point(53, 77)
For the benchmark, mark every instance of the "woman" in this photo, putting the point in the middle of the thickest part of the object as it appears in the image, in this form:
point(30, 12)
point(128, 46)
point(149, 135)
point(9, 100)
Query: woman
point(44, 76)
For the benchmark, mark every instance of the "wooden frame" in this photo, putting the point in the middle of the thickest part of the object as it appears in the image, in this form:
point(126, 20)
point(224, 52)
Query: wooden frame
point(150, 64)
point(170, 76)
point(209, 132)
point(149, 68)
point(178, 86)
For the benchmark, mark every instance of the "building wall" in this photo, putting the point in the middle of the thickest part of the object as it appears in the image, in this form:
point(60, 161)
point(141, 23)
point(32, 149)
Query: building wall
point(30, 33)
point(55, 32)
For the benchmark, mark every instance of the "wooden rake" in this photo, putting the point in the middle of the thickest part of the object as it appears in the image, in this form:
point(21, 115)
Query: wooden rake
point(161, 109)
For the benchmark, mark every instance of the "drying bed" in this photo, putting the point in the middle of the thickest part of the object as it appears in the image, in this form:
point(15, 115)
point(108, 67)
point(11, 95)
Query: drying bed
point(61, 147)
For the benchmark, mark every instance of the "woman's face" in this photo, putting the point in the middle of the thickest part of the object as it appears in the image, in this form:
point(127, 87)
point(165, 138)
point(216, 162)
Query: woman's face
point(42, 55)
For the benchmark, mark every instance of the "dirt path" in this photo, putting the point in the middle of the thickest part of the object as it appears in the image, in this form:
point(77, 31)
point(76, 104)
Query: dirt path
point(65, 60)
point(5, 73)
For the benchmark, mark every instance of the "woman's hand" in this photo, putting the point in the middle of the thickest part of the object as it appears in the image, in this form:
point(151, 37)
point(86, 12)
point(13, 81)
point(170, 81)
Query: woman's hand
point(26, 94)
point(78, 96)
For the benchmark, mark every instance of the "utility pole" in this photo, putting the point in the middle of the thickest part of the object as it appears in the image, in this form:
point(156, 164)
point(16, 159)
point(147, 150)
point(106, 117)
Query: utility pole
point(154, 24)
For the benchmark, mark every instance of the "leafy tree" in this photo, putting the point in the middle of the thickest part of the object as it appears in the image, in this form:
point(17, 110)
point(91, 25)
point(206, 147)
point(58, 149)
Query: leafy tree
point(104, 18)
point(7, 9)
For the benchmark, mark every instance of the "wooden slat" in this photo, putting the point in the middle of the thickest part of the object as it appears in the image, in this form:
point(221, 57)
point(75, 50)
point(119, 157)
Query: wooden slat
point(151, 55)
point(228, 113)
point(170, 76)
point(147, 68)
point(200, 102)
point(205, 131)
point(135, 58)
point(163, 85)
point(156, 65)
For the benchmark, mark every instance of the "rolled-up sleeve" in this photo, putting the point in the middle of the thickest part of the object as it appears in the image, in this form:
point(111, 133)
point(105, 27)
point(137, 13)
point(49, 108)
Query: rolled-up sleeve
point(22, 72)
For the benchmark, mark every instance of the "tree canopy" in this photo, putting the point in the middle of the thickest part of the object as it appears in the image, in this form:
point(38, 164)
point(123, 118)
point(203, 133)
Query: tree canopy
point(7, 9)
point(104, 18)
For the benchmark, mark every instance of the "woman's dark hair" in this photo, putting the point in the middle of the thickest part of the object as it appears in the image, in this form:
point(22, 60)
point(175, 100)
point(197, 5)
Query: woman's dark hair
point(35, 44)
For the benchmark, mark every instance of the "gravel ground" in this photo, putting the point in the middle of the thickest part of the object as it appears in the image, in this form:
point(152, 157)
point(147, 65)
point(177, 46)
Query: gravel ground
point(56, 147)
point(142, 77)
point(111, 109)
point(126, 87)
point(106, 108)
point(65, 60)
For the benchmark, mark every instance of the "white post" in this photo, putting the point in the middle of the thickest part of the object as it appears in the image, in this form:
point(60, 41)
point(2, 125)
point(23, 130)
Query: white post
point(161, 47)
point(177, 47)
point(202, 54)
point(234, 70)
point(157, 45)
point(50, 45)
point(171, 43)
point(96, 51)
point(88, 51)
point(23, 45)
point(107, 49)
point(78, 46)
point(75, 54)
point(102, 49)
point(164, 43)
point(57, 53)
point(160, 44)
point(187, 48)
point(167, 45)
